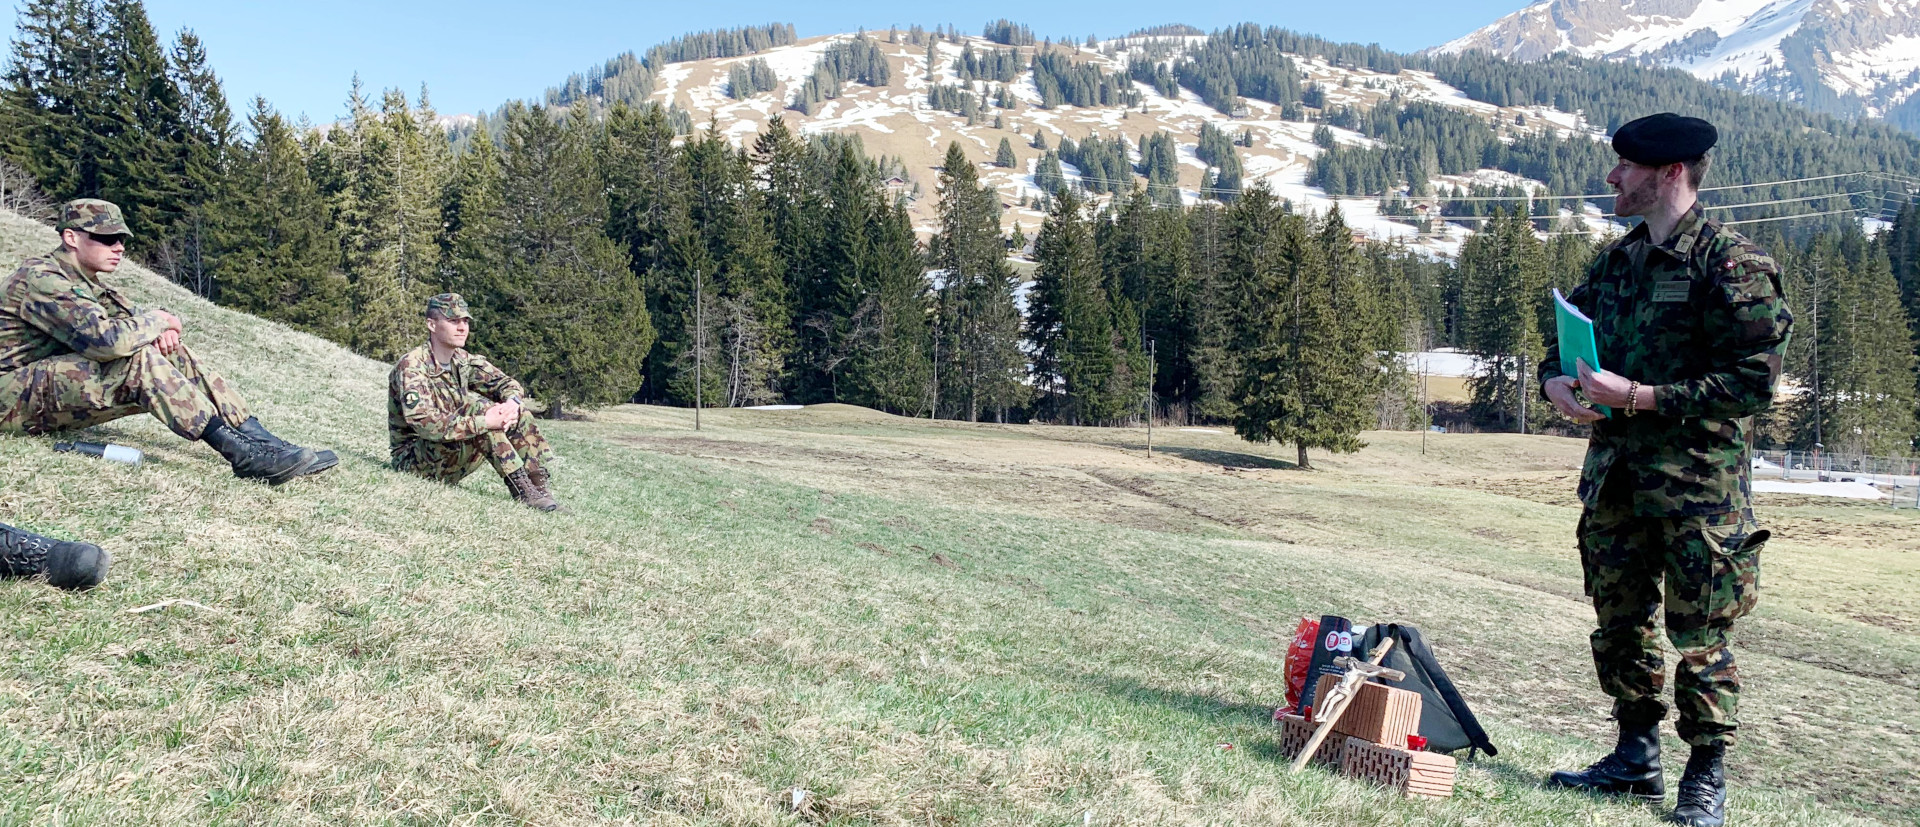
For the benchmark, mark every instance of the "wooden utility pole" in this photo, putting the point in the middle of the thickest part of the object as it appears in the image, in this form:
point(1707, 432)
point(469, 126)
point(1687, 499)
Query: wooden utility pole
point(1426, 406)
point(1523, 393)
point(1152, 362)
point(699, 345)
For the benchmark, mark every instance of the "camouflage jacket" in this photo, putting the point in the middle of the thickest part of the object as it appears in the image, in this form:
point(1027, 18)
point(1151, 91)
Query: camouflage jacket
point(442, 404)
point(51, 307)
point(1703, 318)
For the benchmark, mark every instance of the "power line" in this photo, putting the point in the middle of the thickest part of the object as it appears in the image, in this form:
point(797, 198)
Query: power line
point(1790, 200)
point(1703, 207)
point(1115, 187)
point(1585, 196)
point(1790, 217)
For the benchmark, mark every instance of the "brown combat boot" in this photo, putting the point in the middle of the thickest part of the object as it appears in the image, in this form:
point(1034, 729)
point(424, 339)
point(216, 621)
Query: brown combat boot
point(528, 494)
point(537, 473)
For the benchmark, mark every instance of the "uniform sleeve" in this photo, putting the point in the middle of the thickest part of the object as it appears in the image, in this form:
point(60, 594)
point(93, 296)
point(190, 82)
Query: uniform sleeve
point(1748, 322)
point(492, 382)
point(427, 417)
point(69, 312)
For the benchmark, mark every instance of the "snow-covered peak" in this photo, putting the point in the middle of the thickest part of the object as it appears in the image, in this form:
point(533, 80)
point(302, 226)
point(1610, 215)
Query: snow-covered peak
point(1865, 52)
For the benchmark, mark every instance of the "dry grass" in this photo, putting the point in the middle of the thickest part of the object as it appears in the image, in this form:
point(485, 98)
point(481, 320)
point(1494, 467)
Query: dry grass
point(912, 622)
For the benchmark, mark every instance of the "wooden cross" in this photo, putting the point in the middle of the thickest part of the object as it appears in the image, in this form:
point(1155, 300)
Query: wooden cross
point(1327, 710)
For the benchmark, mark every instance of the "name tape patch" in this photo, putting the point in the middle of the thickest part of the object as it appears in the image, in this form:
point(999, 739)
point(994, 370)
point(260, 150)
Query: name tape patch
point(1671, 291)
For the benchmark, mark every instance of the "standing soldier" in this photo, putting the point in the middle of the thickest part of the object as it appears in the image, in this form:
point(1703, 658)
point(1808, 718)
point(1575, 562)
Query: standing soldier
point(1691, 325)
point(448, 410)
point(76, 353)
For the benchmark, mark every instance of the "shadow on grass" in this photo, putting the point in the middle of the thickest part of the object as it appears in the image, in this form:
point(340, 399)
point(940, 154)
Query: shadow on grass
point(1510, 774)
point(1213, 709)
point(1210, 456)
point(1199, 706)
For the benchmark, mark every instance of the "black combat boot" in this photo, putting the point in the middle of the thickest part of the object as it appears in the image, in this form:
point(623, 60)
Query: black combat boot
point(528, 494)
point(1702, 800)
point(1633, 768)
point(253, 458)
point(66, 564)
point(323, 458)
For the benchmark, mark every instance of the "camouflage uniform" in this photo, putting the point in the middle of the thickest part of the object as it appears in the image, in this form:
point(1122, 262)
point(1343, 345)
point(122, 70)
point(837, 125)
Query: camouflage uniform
point(436, 415)
point(74, 352)
point(1666, 492)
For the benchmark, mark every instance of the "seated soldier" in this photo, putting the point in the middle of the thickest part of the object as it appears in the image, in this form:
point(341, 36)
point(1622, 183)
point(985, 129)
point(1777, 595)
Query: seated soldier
point(448, 410)
point(76, 353)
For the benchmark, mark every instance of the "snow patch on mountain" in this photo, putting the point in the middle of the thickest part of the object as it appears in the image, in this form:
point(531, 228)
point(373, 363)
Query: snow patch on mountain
point(894, 121)
point(1866, 53)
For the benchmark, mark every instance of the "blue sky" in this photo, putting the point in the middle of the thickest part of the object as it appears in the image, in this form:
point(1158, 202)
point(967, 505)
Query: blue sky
point(474, 55)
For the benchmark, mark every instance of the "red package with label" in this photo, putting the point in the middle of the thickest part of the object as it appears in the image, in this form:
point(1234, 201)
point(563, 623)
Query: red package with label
point(1300, 658)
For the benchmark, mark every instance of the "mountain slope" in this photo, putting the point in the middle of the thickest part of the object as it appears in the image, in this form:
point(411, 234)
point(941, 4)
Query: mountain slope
point(1847, 57)
point(896, 120)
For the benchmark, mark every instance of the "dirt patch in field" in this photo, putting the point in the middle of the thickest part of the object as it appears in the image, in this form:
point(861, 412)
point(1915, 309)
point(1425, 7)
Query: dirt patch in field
point(1546, 487)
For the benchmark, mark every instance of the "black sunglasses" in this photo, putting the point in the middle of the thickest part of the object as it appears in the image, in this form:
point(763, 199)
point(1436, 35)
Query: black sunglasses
point(106, 239)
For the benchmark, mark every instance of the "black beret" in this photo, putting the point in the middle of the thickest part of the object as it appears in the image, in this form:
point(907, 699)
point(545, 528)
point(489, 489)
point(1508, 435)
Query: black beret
point(1666, 138)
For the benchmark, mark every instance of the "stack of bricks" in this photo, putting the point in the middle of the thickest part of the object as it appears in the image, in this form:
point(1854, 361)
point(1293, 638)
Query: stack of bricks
point(1369, 742)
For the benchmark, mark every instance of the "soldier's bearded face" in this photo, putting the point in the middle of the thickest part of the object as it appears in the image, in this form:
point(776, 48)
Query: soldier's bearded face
point(1638, 185)
point(93, 255)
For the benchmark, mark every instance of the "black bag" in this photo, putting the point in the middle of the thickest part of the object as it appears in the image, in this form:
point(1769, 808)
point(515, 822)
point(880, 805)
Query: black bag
point(1445, 721)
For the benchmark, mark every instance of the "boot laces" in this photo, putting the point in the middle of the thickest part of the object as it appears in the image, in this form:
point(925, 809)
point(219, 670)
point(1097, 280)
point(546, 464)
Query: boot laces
point(21, 548)
point(1609, 764)
point(1698, 787)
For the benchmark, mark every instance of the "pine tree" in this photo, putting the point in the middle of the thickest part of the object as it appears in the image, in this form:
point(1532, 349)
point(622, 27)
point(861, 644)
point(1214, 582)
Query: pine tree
point(788, 175)
point(977, 340)
point(576, 330)
point(1903, 254)
point(1003, 157)
point(61, 106)
point(274, 254)
point(472, 258)
point(833, 334)
point(1218, 306)
point(202, 165)
point(145, 122)
point(1501, 271)
point(893, 370)
point(723, 273)
point(1365, 345)
point(1865, 384)
point(646, 188)
point(1298, 381)
point(393, 167)
point(1082, 358)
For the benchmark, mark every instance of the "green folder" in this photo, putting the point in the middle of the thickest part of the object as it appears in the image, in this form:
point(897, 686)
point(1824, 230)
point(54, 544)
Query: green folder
point(1576, 341)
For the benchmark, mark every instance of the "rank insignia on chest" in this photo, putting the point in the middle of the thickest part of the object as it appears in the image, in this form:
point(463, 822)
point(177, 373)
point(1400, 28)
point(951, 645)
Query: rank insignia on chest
point(1671, 291)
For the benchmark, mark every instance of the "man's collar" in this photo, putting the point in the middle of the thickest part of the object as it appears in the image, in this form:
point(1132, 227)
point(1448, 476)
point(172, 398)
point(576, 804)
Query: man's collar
point(1685, 234)
point(64, 257)
point(434, 368)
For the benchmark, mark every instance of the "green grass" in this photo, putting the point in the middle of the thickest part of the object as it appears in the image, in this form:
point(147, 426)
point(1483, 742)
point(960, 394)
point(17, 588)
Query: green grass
point(915, 623)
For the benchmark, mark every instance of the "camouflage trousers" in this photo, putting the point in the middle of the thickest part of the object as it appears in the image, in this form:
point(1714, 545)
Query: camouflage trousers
point(72, 391)
point(450, 462)
point(1705, 572)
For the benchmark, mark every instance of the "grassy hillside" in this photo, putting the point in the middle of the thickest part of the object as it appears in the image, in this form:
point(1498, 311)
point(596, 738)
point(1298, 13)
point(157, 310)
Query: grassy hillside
point(912, 622)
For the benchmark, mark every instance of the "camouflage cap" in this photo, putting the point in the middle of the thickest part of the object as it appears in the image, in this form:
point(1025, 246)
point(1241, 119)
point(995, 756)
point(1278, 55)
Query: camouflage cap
point(448, 306)
point(92, 215)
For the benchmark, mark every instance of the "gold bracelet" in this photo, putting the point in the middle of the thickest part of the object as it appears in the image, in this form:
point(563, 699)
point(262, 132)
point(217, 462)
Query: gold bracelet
point(1633, 393)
